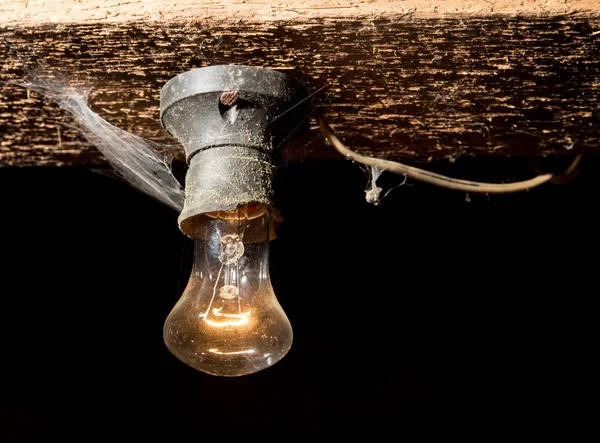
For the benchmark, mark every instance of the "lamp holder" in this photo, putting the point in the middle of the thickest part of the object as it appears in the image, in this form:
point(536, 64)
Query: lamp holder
point(230, 119)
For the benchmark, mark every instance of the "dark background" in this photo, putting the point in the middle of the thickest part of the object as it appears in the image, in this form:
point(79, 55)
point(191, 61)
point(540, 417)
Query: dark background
point(423, 314)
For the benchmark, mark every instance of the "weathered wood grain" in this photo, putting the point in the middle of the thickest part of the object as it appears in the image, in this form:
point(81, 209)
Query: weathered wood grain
point(399, 86)
point(42, 12)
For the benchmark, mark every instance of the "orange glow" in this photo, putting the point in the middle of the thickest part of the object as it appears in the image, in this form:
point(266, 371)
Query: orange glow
point(216, 351)
point(217, 313)
point(236, 319)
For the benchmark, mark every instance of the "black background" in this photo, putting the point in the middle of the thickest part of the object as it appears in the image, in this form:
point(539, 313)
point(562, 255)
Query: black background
point(425, 313)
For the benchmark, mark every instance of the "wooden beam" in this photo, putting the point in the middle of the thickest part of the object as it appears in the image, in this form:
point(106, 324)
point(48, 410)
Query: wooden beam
point(396, 79)
point(42, 12)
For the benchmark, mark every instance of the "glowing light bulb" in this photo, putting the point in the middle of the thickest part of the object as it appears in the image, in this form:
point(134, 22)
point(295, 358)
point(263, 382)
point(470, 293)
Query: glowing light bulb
point(228, 321)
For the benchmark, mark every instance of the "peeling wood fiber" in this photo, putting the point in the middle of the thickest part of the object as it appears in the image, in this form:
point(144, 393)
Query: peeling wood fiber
point(395, 85)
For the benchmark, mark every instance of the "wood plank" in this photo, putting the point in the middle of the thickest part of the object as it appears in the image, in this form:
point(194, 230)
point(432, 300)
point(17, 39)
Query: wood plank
point(40, 12)
point(398, 83)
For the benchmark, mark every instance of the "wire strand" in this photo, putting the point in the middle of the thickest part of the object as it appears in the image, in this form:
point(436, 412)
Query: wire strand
point(438, 179)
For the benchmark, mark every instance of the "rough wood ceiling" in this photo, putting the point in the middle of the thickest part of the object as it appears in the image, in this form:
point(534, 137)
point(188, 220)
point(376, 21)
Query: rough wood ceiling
point(397, 80)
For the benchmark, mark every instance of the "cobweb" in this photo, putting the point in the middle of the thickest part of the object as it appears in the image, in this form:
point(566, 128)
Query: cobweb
point(144, 164)
point(373, 191)
point(137, 160)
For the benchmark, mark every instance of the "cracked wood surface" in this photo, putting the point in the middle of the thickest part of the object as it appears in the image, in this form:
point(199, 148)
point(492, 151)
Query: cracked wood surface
point(397, 82)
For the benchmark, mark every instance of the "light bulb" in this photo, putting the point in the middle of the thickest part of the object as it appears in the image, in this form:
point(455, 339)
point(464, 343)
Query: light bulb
point(228, 321)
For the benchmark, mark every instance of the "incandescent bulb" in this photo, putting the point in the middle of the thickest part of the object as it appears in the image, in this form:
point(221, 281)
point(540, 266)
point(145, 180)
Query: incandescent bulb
point(228, 321)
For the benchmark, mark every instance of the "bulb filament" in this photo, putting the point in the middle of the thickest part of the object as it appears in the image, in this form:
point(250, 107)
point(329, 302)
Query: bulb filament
point(226, 310)
point(216, 351)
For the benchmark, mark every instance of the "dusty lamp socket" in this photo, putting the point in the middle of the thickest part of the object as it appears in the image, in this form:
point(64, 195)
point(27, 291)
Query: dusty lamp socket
point(231, 121)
